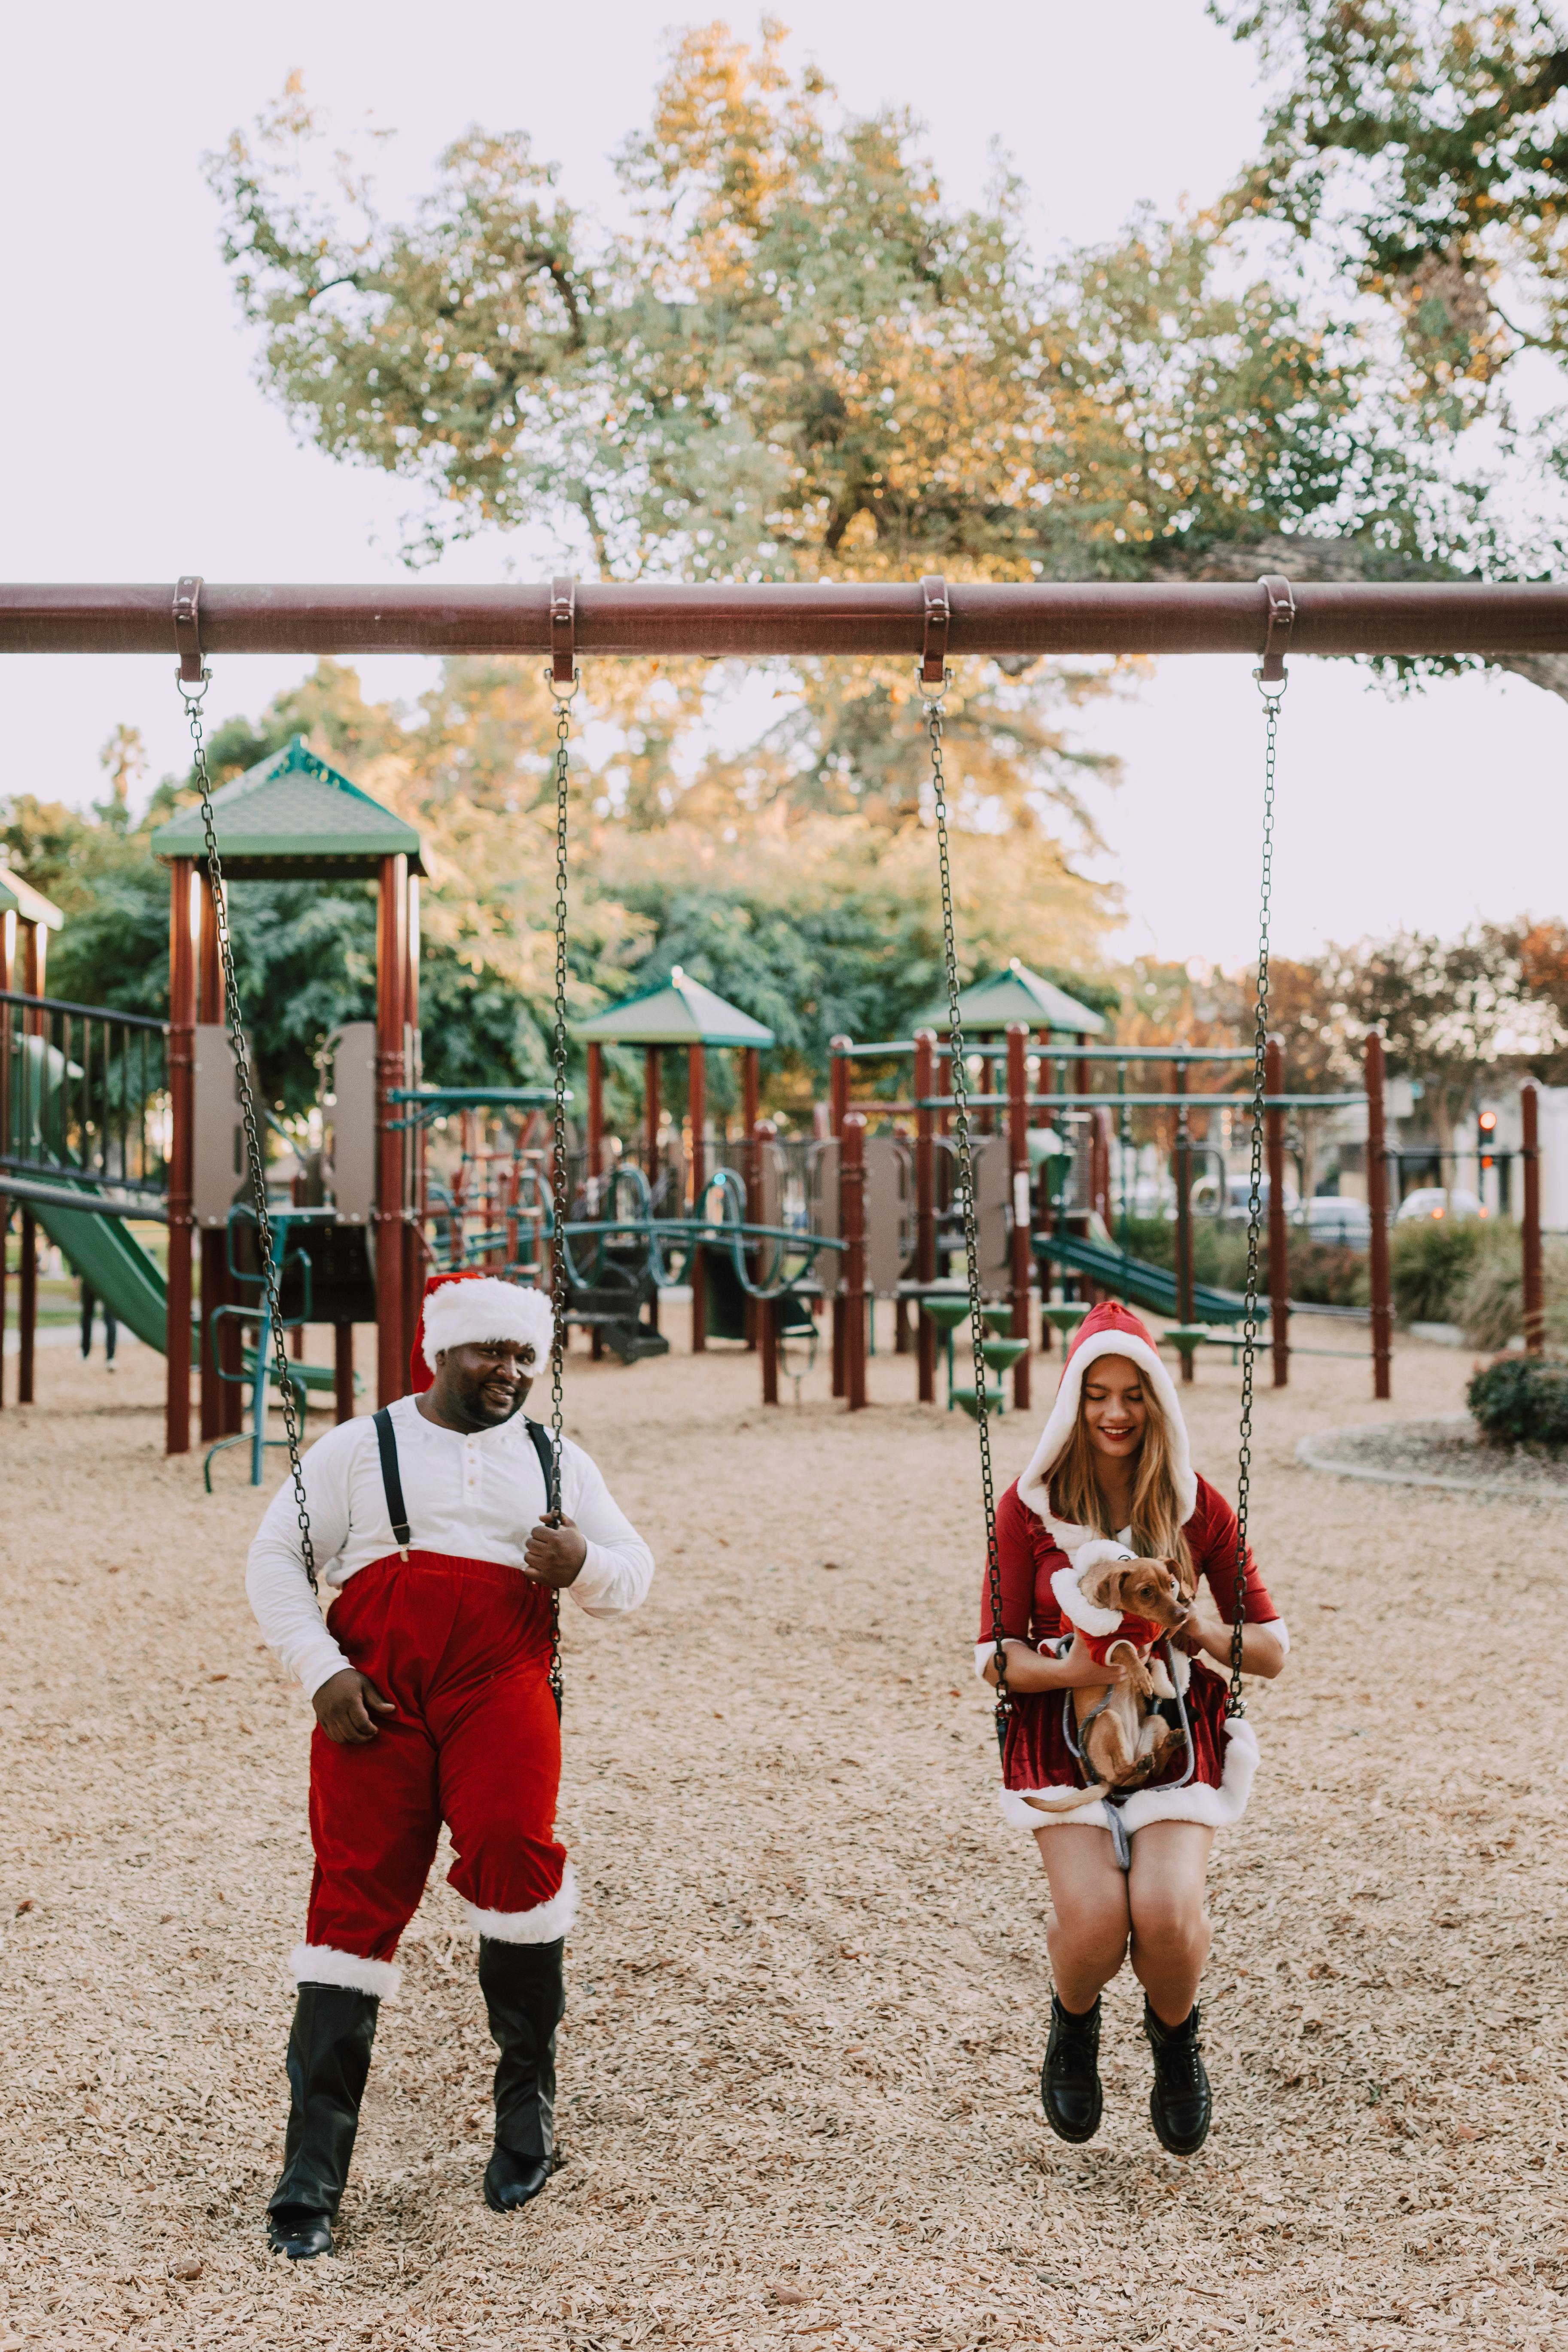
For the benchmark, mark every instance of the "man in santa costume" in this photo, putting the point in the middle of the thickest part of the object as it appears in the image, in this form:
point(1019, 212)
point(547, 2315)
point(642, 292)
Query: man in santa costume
point(430, 1680)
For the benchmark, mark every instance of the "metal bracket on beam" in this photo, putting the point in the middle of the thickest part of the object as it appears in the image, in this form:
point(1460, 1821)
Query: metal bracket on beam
point(188, 628)
point(938, 619)
point(1276, 640)
point(563, 630)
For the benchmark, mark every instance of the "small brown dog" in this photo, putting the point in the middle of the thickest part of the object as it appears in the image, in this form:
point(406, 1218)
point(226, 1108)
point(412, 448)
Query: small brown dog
point(1125, 1746)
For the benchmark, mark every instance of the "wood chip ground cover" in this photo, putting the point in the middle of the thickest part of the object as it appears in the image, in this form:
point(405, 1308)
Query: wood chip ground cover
point(807, 1989)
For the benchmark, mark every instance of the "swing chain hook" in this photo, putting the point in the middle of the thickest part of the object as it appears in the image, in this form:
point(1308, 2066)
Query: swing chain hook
point(934, 690)
point(1271, 673)
point(1272, 680)
point(234, 1022)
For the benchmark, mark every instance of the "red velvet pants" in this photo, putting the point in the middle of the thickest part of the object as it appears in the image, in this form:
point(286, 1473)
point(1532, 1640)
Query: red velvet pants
point(461, 1647)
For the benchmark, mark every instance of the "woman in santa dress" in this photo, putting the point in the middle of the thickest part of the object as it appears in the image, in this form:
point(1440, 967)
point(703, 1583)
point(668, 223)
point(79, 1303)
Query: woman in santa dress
point(1113, 1470)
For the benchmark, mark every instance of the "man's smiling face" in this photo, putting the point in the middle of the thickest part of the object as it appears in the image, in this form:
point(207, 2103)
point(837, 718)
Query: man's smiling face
point(483, 1384)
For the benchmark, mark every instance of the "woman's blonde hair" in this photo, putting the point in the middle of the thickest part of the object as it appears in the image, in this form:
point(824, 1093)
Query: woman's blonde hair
point(1156, 1516)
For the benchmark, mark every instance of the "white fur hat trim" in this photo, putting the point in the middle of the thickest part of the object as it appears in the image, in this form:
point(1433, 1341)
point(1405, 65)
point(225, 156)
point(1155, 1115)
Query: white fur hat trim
point(1067, 1586)
point(1034, 1485)
point(462, 1314)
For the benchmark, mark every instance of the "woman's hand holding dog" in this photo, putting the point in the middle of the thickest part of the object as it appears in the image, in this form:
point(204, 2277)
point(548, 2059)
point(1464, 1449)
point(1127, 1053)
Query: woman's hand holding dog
point(1262, 1652)
point(1028, 1671)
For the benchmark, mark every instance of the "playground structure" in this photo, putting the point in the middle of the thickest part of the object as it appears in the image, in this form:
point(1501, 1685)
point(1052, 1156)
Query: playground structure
point(679, 1016)
point(387, 1234)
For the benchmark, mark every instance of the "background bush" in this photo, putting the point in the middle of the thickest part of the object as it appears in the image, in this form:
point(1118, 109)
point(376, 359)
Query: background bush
point(1522, 1401)
point(1431, 1259)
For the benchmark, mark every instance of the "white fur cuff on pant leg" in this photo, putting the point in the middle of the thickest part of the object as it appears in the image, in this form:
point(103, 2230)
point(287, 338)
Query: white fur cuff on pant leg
point(320, 1964)
point(543, 1924)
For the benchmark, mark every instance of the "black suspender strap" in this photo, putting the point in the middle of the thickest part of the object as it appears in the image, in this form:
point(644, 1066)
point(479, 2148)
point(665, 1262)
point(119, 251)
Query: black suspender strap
point(544, 1447)
point(397, 1509)
point(392, 1482)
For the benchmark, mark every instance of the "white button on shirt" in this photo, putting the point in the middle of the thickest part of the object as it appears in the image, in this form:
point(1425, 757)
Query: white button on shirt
point(474, 1497)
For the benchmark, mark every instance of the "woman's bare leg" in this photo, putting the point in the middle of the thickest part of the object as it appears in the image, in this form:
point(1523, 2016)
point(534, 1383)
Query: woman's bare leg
point(1171, 1933)
point(1087, 1933)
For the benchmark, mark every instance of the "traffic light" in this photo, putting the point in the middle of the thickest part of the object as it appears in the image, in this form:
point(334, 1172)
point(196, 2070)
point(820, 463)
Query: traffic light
point(1487, 1123)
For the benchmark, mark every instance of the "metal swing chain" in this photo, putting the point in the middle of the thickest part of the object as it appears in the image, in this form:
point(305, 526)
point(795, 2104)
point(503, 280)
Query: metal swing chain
point(1271, 691)
point(559, 1179)
point(933, 711)
point(235, 1026)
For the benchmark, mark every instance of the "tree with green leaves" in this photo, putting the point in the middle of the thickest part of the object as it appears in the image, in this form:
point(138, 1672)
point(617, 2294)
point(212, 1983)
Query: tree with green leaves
point(801, 358)
point(815, 913)
point(1415, 156)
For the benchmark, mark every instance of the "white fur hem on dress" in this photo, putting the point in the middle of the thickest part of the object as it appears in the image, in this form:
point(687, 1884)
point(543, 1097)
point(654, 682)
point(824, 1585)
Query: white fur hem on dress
point(546, 1923)
point(320, 1964)
point(1218, 1807)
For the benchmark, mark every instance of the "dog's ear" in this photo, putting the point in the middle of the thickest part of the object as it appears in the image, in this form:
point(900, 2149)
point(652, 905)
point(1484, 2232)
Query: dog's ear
point(1102, 1587)
point(1186, 1577)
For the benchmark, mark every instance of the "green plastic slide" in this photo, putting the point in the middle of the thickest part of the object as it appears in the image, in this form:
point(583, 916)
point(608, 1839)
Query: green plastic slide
point(113, 1265)
point(111, 1261)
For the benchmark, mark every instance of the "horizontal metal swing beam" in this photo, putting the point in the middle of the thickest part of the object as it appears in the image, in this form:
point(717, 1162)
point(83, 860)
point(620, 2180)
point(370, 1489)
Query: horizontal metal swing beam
point(756, 622)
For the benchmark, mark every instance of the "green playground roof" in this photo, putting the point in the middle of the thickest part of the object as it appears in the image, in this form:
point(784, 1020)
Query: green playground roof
point(292, 818)
point(679, 1013)
point(20, 898)
point(1018, 995)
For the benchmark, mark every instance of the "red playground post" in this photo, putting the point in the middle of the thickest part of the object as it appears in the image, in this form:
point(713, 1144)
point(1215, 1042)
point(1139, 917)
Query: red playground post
point(1278, 1231)
point(1377, 1212)
point(697, 1111)
point(1184, 1307)
point(852, 1187)
point(1018, 1160)
point(1534, 1295)
point(182, 1078)
point(925, 1205)
point(837, 1109)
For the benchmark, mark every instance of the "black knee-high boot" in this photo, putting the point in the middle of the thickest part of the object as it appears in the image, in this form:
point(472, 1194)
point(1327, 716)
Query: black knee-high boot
point(525, 1996)
point(329, 2058)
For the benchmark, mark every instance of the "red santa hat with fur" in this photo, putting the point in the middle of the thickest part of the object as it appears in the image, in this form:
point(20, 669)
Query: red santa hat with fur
point(1110, 1330)
point(459, 1311)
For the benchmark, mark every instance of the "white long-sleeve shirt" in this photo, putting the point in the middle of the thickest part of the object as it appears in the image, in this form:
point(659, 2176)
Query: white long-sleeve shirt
point(474, 1497)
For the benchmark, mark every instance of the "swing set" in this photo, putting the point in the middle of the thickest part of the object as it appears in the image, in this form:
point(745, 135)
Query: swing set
point(934, 622)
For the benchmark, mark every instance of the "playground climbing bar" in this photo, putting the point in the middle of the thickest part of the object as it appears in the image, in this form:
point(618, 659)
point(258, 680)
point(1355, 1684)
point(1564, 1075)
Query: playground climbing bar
point(753, 622)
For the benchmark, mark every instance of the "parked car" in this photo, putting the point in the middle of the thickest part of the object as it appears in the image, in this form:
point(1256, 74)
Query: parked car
point(1238, 1196)
point(1439, 1201)
point(1341, 1221)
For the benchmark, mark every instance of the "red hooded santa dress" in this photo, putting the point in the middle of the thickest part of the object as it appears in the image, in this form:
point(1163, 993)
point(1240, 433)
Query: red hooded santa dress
point(1042, 1559)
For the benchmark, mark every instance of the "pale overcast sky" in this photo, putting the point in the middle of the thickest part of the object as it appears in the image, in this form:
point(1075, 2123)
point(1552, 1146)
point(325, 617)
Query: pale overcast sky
point(140, 446)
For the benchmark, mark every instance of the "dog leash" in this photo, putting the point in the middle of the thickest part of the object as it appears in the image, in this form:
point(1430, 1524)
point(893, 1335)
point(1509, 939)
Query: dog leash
point(1121, 1835)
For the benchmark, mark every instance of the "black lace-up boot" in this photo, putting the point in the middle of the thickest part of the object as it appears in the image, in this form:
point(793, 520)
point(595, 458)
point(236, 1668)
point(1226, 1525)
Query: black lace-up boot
point(1180, 2105)
point(329, 2058)
point(525, 1996)
point(1069, 2079)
